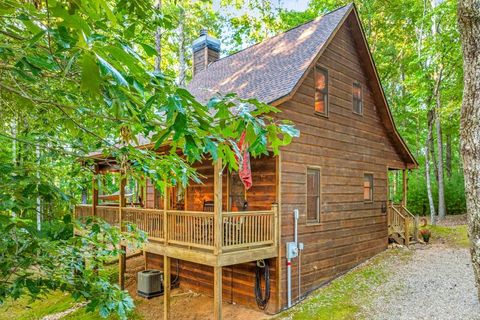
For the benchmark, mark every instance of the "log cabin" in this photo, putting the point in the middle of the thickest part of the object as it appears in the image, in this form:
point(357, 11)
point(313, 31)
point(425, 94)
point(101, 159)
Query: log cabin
point(314, 211)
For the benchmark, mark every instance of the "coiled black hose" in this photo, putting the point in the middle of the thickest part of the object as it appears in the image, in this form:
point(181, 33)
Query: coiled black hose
point(262, 299)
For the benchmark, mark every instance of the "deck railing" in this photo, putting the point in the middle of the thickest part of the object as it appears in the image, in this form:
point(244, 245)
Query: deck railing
point(191, 228)
point(195, 229)
point(246, 229)
point(108, 213)
point(82, 211)
point(148, 220)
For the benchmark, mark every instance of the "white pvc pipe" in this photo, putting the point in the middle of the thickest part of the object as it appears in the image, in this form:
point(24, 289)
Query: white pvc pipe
point(295, 218)
point(299, 274)
point(289, 283)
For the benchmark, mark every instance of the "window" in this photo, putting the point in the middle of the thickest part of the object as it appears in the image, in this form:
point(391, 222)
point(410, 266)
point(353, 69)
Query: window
point(357, 98)
point(321, 91)
point(313, 195)
point(368, 187)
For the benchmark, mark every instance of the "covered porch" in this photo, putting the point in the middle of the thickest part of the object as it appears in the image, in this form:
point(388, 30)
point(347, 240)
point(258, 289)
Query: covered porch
point(215, 223)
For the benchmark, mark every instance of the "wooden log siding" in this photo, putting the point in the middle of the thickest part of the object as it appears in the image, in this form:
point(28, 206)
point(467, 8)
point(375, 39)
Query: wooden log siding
point(259, 197)
point(344, 145)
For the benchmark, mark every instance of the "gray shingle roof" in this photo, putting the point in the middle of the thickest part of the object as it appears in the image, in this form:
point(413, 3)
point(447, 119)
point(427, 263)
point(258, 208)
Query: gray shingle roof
point(270, 69)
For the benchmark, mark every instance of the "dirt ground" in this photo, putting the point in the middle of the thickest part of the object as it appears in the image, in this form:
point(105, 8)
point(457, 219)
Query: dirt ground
point(454, 220)
point(184, 304)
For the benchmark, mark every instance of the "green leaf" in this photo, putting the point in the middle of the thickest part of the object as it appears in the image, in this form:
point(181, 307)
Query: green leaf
point(149, 50)
point(90, 74)
point(112, 71)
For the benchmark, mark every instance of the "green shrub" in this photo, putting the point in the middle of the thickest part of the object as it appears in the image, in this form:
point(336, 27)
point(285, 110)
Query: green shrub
point(418, 199)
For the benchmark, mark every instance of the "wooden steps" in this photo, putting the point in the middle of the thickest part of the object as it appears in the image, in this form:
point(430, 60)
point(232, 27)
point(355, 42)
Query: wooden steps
point(402, 225)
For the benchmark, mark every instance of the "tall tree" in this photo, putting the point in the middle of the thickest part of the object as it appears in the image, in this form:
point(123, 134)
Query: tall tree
point(428, 144)
point(437, 79)
point(469, 26)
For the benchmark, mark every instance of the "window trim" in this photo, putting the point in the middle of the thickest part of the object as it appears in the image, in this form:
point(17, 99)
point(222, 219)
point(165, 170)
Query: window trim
point(319, 205)
point(357, 83)
point(372, 187)
point(327, 89)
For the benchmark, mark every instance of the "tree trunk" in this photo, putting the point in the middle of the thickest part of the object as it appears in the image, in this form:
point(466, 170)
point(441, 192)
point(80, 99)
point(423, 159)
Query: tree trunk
point(181, 50)
point(158, 41)
point(427, 174)
point(430, 141)
point(448, 155)
point(437, 78)
point(469, 27)
point(440, 174)
point(39, 200)
point(14, 147)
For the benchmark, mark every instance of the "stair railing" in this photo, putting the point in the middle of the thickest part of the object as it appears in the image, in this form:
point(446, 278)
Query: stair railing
point(414, 219)
point(398, 222)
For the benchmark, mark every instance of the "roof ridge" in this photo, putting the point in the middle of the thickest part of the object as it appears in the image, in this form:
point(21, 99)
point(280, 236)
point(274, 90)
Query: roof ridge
point(281, 33)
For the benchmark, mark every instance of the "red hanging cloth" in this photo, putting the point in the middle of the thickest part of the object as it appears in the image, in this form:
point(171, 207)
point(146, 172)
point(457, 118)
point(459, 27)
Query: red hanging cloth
point(244, 170)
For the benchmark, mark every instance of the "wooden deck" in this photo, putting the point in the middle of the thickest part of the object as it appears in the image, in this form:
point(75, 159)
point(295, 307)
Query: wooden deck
point(191, 235)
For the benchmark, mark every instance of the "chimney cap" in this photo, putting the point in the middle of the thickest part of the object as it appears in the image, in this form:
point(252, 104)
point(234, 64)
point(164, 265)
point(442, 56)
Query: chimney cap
point(204, 40)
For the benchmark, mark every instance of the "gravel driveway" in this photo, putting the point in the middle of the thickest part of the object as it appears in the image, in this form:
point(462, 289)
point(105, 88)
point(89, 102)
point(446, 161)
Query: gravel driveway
point(435, 283)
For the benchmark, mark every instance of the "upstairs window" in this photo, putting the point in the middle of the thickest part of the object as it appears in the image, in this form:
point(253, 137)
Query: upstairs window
point(368, 187)
point(357, 98)
point(313, 195)
point(321, 91)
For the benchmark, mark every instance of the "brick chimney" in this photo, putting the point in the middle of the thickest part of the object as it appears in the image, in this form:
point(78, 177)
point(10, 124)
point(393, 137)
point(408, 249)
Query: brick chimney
point(206, 50)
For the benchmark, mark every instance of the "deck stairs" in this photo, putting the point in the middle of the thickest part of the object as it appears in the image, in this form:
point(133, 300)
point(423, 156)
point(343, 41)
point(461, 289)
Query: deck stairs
point(402, 225)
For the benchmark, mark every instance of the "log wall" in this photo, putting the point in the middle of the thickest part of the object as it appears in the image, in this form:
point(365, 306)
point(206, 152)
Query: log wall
point(259, 197)
point(344, 146)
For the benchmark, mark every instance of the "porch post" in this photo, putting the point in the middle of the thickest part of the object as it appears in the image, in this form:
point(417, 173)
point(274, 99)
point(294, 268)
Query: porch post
point(275, 224)
point(404, 189)
point(217, 203)
point(122, 261)
point(95, 191)
point(165, 216)
point(218, 238)
point(166, 259)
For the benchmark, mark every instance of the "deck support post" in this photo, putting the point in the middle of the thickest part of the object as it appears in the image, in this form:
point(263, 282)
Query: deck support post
point(166, 287)
point(122, 265)
point(122, 256)
point(217, 292)
point(217, 202)
point(404, 187)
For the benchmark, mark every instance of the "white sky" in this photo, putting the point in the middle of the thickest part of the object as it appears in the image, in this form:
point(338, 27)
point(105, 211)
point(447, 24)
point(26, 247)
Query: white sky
point(298, 5)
